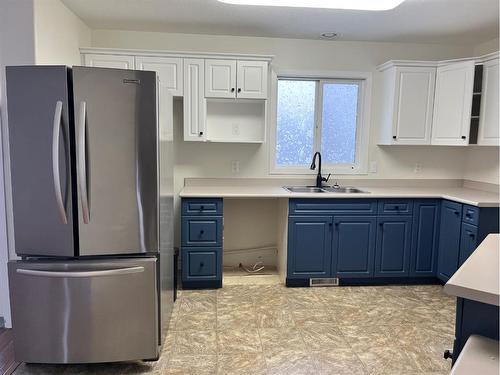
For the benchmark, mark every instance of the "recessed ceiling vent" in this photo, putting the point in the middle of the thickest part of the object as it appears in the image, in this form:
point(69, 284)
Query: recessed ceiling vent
point(329, 36)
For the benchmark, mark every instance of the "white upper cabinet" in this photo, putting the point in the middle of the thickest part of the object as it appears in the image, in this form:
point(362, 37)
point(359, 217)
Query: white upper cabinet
point(252, 79)
point(210, 85)
point(109, 61)
point(453, 103)
point(169, 70)
point(194, 100)
point(220, 78)
point(236, 79)
point(407, 105)
point(488, 119)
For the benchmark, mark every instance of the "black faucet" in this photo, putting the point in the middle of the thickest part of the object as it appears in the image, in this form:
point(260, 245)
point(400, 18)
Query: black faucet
point(319, 179)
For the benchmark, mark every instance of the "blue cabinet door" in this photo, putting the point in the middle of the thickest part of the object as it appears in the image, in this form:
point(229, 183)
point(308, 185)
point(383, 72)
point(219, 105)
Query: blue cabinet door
point(353, 246)
point(468, 242)
point(425, 237)
point(309, 247)
point(392, 254)
point(449, 239)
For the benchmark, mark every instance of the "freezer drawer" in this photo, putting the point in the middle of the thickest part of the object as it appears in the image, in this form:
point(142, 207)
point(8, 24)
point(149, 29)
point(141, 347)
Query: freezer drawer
point(84, 311)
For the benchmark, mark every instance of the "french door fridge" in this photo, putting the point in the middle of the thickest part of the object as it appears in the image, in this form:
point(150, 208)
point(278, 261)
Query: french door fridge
point(85, 173)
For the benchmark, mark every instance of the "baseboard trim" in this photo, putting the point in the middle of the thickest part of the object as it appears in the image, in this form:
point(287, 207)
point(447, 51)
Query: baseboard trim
point(205, 284)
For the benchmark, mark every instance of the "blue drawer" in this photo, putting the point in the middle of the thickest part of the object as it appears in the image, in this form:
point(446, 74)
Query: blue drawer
point(201, 231)
point(316, 206)
point(395, 207)
point(202, 206)
point(201, 264)
point(470, 215)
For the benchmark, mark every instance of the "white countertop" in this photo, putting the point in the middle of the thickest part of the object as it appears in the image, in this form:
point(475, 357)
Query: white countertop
point(469, 196)
point(478, 278)
point(479, 356)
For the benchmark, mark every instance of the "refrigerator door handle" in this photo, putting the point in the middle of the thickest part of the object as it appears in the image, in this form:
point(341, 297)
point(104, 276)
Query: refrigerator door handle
point(55, 161)
point(82, 170)
point(80, 274)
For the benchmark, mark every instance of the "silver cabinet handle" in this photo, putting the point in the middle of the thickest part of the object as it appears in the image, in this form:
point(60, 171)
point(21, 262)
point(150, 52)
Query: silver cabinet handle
point(82, 170)
point(55, 161)
point(79, 274)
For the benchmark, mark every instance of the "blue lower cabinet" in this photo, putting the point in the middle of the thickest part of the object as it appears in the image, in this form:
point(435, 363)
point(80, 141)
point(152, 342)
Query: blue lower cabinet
point(392, 254)
point(201, 267)
point(353, 246)
point(468, 242)
point(425, 238)
point(449, 239)
point(309, 247)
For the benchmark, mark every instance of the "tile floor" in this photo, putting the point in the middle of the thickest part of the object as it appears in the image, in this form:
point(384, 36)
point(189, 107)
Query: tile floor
point(270, 329)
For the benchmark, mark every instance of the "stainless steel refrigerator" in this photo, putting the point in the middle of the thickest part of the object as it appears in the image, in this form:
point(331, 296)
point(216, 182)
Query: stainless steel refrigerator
point(91, 172)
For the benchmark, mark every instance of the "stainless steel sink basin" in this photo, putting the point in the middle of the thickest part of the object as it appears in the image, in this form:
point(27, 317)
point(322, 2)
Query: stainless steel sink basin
point(304, 189)
point(324, 189)
point(346, 189)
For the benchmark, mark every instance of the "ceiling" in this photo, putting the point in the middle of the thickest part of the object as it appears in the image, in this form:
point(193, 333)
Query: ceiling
point(427, 21)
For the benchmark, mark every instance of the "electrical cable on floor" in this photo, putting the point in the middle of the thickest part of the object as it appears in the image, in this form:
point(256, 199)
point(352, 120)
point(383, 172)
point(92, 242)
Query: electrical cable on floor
point(257, 267)
point(252, 249)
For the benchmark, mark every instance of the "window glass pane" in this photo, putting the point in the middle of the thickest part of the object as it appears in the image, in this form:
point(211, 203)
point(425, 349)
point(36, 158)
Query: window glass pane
point(295, 122)
point(340, 112)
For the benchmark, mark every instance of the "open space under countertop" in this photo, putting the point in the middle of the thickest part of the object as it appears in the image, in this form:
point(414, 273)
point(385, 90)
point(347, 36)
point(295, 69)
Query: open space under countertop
point(478, 278)
point(469, 196)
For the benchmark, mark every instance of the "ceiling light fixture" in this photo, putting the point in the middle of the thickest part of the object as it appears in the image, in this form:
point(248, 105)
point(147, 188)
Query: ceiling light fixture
point(325, 4)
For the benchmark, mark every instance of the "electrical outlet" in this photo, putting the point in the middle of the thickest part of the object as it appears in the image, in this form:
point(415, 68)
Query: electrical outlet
point(418, 168)
point(235, 166)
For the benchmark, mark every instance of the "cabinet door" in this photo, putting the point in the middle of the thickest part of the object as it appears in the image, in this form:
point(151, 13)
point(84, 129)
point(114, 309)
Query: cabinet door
point(252, 79)
point(169, 70)
point(309, 247)
point(194, 102)
point(414, 105)
point(468, 242)
point(353, 246)
point(488, 118)
point(453, 104)
point(392, 254)
point(220, 78)
point(449, 239)
point(425, 237)
point(109, 61)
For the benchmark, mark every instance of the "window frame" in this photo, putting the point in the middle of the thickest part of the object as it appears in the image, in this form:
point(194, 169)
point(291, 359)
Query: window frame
point(364, 80)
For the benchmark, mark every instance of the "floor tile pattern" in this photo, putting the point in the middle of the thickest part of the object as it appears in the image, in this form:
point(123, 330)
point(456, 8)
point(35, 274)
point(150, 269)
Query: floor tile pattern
point(272, 330)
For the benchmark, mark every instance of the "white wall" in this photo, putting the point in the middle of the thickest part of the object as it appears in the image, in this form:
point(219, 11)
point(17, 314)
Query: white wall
point(58, 34)
point(16, 47)
point(481, 164)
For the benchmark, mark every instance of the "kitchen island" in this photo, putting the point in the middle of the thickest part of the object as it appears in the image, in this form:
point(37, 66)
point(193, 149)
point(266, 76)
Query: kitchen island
point(476, 286)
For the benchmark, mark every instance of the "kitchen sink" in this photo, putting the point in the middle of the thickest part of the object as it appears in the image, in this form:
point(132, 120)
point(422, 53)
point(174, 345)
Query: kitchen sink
point(346, 189)
point(304, 189)
point(324, 189)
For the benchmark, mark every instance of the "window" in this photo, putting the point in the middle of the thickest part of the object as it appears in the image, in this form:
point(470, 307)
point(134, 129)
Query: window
point(325, 115)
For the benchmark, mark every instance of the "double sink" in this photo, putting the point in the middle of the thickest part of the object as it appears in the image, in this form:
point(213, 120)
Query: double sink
point(324, 189)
